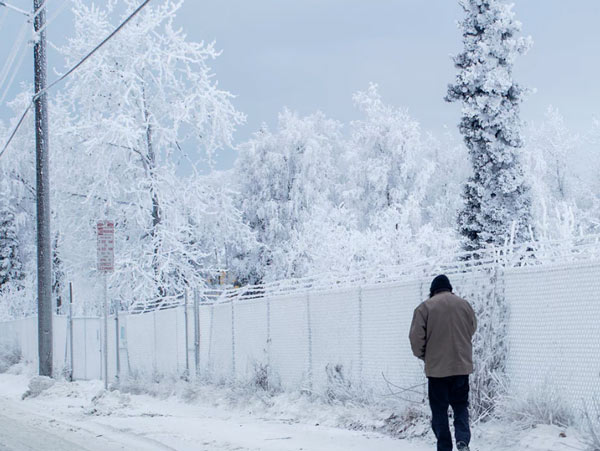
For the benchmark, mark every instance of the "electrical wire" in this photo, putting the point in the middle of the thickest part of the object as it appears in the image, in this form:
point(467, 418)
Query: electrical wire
point(14, 8)
point(3, 17)
point(14, 51)
point(37, 11)
point(54, 16)
point(12, 77)
point(69, 72)
point(84, 59)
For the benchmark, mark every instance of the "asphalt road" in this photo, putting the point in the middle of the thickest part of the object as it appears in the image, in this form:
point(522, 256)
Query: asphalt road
point(22, 429)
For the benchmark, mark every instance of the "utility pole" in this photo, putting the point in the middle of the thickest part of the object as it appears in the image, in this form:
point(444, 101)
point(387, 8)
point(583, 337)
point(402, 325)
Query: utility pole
point(44, 253)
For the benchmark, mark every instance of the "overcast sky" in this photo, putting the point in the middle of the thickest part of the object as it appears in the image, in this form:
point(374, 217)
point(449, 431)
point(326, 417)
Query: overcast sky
point(313, 54)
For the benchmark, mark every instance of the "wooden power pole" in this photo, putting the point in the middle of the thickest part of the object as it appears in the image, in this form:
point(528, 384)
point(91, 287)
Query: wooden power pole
point(44, 250)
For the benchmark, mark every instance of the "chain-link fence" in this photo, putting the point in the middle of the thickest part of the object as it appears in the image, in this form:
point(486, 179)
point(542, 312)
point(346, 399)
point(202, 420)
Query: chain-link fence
point(539, 324)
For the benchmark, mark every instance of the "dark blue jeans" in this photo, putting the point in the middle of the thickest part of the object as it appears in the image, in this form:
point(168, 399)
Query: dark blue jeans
point(449, 391)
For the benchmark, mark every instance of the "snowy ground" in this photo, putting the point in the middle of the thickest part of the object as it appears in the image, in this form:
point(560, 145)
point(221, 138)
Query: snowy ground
point(81, 416)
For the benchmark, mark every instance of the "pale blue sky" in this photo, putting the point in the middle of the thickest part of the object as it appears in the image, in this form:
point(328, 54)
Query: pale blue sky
point(313, 54)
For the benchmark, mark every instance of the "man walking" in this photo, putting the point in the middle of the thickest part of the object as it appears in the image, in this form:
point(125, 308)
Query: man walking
point(441, 334)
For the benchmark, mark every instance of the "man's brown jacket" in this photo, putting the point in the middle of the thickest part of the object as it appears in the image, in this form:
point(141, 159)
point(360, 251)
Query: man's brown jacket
point(440, 334)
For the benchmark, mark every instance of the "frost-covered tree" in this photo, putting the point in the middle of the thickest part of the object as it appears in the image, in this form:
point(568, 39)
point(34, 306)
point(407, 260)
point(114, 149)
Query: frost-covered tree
point(387, 171)
point(451, 171)
point(216, 227)
point(11, 268)
point(17, 202)
point(58, 273)
point(549, 150)
point(497, 198)
point(143, 100)
point(390, 183)
point(286, 178)
point(561, 198)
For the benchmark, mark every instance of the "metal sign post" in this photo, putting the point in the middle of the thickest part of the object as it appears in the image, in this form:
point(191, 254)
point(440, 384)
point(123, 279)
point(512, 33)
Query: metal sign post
point(187, 337)
point(106, 265)
point(118, 357)
point(70, 331)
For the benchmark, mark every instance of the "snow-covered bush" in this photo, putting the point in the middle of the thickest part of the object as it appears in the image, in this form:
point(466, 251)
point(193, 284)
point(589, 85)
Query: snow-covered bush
point(592, 420)
point(153, 384)
point(9, 355)
point(411, 421)
point(37, 385)
point(483, 289)
point(339, 388)
point(542, 404)
point(264, 378)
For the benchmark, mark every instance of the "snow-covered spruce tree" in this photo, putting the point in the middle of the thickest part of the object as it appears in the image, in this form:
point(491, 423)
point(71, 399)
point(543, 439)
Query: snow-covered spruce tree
point(286, 179)
point(11, 268)
point(496, 195)
point(146, 97)
point(17, 193)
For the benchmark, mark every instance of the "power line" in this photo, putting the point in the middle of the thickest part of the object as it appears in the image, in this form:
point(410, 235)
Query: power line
point(37, 11)
point(9, 64)
point(3, 17)
point(31, 16)
point(69, 72)
point(14, 8)
point(74, 68)
point(14, 132)
point(11, 79)
point(10, 61)
point(12, 55)
point(56, 13)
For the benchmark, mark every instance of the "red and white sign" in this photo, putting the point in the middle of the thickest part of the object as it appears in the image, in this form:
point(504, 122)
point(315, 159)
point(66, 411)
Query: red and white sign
point(106, 246)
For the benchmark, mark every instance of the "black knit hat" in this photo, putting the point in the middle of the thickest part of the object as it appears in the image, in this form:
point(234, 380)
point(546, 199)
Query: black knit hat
point(440, 283)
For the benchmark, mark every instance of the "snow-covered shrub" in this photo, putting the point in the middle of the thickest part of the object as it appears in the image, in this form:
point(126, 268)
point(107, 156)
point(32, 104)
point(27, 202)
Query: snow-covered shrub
point(483, 289)
point(9, 355)
point(412, 421)
point(341, 390)
point(592, 420)
point(264, 379)
point(542, 404)
point(107, 403)
point(339, 387)
point(152, 384)
point(37, 385)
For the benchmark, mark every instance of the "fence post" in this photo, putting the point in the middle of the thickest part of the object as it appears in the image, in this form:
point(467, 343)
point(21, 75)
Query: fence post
point(268, 334)
point(232, 340)
point(85, 348)
point(117, 341)
point(186, 328)
point(310, 356)
point(70, 332)
point(210, 338)
point(196, 333)
point(360, 335)
point(155, 362)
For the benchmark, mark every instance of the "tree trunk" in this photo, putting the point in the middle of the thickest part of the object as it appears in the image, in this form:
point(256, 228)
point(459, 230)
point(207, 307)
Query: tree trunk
point(151, 168)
